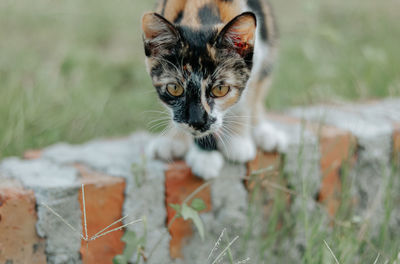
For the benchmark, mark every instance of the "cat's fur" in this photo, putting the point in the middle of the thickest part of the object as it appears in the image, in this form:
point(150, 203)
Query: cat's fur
point(201, 48)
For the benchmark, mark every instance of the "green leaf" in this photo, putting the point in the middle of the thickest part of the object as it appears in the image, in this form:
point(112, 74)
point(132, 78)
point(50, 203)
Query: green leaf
point(129, 237)
point(120, 259)
point(198, 204)
point(176, 207)
point(131, 243)
point(190, 213)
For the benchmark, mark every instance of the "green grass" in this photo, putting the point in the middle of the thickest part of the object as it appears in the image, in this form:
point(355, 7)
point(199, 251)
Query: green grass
point(73, 70)
point(70, 71)
point(335, 51)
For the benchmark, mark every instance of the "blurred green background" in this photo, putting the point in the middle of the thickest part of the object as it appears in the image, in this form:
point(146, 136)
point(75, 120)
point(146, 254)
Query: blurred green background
point(73, 70)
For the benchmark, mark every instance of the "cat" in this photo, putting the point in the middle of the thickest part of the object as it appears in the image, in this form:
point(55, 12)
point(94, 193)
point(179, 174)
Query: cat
point(210, 63)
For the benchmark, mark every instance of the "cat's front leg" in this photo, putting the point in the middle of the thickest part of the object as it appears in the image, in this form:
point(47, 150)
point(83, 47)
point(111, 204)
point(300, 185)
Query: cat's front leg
point(173, 145)
point(206, 164)
point(204, 158)
point(268, 137)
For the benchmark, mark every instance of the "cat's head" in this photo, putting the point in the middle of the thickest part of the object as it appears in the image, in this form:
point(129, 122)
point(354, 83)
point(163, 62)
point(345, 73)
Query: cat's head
point(199, 73)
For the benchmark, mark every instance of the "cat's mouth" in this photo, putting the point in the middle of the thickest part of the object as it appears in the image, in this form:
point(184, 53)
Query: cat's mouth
point(199, 133)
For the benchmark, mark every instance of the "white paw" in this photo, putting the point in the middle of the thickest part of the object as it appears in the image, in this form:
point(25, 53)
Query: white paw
point(268, 138)
point(166, 148)
point(238, 148)
point(205, 164)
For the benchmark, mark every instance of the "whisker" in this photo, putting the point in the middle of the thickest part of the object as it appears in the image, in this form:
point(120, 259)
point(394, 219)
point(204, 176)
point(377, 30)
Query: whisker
point(222, 141)
point(157, 128)
point(155, 111)
point(157, 125)
point(231, 131)
point(231, 122)
point(159, 119)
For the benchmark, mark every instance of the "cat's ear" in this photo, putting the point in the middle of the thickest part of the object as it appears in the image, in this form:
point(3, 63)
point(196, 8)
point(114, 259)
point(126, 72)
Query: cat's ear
point(159, 35)
point(239, 34)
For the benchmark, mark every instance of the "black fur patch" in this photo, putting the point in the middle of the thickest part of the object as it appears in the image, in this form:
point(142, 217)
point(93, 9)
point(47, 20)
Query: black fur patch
point(256, 7)
point(209, 15)
point(147, 50)
point(208, 143)
point(178, 18)
point(157, 70)
point(197, 55)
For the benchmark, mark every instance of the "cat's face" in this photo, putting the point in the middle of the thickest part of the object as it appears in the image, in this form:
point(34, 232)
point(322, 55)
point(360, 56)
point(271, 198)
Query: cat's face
point(199, 73)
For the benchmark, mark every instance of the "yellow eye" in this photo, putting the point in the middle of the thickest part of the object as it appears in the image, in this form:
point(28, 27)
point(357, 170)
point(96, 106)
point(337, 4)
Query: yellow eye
point(220, 90)
point(174, 89)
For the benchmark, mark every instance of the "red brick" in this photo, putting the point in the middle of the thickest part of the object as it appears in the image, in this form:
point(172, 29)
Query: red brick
point(264, 180)
point(179, 183)
point(104, 197)
point(19, 242)
point(336, 147)
point(32, 154)
point(263, 160)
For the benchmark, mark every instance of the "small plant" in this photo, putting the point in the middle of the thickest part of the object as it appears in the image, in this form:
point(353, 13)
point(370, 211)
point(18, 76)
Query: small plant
point(225, 251)
point(133, 244)
point(191, 212)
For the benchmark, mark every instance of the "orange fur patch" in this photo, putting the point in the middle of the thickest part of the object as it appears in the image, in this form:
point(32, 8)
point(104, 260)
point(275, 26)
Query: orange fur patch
point(228, 10)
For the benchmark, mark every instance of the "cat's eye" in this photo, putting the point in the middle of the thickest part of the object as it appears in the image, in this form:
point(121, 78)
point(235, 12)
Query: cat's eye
point(174, 89)
point(220, 90)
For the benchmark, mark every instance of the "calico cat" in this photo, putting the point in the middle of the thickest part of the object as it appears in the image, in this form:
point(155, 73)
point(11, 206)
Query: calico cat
point(210, 62)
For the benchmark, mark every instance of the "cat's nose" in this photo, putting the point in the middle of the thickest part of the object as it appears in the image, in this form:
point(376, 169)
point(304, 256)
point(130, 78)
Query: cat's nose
point(197, 124)
point(197, 118)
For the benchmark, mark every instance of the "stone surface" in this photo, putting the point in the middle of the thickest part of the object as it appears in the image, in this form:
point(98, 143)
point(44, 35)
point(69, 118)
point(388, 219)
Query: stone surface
point(112, 157)
point(19, 242)
point(145, 198)
point(180, 183)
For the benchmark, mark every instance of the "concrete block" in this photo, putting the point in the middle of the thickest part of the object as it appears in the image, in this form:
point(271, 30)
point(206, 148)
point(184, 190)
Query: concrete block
point(112, 157)
point(146, 198)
